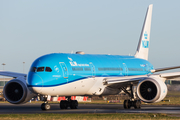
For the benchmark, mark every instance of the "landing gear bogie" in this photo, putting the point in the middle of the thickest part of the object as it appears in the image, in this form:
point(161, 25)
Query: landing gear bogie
point(133, 101)
point(128, 104)
point(137, 104)
point(64, 104)
point(73, 104)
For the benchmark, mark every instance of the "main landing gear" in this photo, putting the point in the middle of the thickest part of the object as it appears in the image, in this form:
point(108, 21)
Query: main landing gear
point(132, 102)
point(73, 104)
point(128, 104)
point(64, 104)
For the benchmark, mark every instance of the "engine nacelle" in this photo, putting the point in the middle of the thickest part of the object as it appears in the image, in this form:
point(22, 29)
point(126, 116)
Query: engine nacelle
point(151, 90)
point(16, 92)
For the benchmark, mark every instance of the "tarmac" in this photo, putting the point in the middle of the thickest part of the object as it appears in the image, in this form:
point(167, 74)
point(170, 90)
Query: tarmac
point(31, 108)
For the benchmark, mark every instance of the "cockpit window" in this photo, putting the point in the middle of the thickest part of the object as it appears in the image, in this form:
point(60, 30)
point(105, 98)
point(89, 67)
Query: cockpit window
point(48, 69)
point(33, 69)
point(40, 69)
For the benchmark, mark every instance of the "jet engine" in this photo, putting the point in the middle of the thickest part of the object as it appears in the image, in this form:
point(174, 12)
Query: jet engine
point(15, 91)
point(151, 90)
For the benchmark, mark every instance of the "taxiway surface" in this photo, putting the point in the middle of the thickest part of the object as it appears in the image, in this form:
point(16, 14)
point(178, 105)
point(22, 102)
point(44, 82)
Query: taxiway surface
point(30, 108)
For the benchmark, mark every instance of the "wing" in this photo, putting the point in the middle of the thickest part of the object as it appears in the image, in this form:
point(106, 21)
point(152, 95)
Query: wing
point(163, 69)
point(170, 75)
point(119, 82)
point(13, 74)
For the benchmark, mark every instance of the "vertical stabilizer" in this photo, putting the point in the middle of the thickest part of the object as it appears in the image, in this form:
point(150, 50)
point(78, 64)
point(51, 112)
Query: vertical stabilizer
point(143, 46)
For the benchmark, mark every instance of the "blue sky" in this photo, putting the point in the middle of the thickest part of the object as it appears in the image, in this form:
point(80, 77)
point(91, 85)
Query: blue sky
point(29, 29)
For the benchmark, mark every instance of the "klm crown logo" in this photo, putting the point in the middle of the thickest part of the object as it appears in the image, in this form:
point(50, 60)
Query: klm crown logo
point(145, 43)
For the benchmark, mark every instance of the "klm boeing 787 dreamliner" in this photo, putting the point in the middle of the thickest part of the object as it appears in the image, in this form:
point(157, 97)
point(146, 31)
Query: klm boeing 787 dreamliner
point(61, 74)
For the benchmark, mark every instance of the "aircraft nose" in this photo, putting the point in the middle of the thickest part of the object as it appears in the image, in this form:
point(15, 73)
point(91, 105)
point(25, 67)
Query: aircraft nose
point(35, 83)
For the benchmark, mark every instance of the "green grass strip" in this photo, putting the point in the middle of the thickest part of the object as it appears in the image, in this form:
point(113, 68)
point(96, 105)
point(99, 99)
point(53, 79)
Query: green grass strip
point(115, 116)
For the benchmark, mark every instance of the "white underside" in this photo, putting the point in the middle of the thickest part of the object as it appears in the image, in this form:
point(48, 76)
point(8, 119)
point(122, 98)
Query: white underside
point(89, 86)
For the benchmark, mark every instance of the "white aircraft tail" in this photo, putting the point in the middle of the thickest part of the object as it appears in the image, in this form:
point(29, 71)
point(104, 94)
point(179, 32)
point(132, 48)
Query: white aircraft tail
point(143, 46)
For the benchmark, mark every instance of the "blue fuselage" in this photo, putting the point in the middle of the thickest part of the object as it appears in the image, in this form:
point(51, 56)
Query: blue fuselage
point(58, 69)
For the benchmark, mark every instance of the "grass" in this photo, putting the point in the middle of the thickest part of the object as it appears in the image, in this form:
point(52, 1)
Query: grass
point(115, 116)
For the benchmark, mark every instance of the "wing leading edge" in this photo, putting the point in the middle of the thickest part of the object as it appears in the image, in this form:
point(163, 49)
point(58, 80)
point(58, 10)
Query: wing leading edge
point(118, 82)
point(13, 74)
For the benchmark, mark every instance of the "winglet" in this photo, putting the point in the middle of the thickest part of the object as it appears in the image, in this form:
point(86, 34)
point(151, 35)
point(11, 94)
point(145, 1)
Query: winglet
point(143, 46)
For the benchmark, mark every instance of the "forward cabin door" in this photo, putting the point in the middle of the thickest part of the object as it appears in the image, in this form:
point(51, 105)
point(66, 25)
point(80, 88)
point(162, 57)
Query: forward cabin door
point(64, 69)
point(92, 69)
point(125, 69)
point(147, 68)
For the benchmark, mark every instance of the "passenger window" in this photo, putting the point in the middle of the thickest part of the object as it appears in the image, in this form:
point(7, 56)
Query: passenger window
point(40, 69)
point(33, 69)
point(48, 69)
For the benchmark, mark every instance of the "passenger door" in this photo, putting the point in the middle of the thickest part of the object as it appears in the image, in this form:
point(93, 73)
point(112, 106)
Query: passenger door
point(125, 69)
point(92, 69)
point(64, 69)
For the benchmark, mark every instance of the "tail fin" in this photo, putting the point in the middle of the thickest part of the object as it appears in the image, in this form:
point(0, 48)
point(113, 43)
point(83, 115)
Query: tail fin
point(143, 46)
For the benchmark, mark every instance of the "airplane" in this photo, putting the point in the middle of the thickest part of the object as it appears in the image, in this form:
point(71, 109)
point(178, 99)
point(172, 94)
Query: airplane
point(80, 74)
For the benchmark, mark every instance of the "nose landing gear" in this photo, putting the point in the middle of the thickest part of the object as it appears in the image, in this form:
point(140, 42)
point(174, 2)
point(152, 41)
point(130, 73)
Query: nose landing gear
point(45, 105)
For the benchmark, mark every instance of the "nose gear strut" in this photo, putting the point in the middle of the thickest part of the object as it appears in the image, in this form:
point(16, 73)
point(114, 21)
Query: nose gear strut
point(45, 105)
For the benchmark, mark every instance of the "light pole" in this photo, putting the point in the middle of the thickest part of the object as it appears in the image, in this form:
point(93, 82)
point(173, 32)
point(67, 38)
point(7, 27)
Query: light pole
point(23, 67)
point(3, 66)
point(3, 70)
